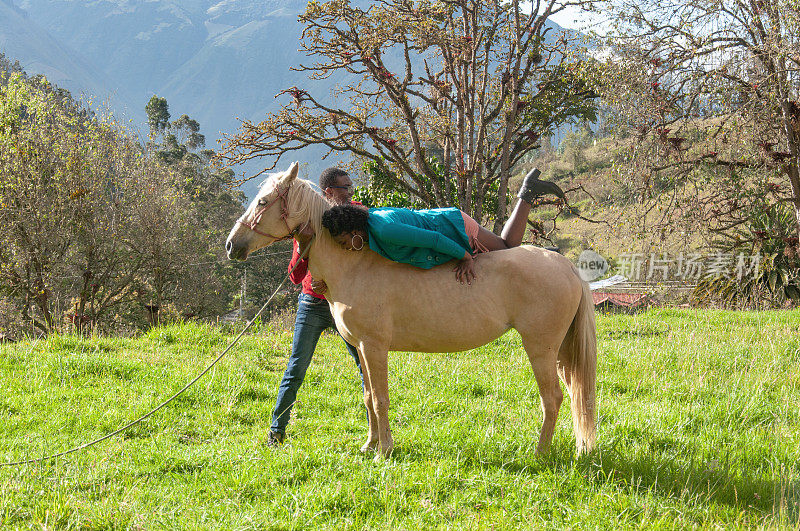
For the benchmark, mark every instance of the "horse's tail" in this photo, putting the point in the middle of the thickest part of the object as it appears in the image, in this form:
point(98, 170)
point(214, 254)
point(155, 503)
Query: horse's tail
point(578, 368)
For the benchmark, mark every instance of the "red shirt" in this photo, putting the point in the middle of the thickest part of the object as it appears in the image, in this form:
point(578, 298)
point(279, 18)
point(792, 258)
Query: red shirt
point(301, 275)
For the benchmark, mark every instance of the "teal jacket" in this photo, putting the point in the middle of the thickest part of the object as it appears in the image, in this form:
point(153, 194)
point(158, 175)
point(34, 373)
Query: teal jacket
point(423, 238)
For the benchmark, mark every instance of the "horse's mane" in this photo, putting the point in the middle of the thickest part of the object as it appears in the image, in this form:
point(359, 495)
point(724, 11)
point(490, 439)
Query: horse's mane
point(306, 201)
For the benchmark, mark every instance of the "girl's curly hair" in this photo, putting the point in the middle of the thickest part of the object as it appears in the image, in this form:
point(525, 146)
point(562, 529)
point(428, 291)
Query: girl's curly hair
point(345, 218)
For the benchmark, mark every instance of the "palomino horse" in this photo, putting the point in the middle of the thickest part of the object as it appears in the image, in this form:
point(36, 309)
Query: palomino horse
point(380, 305)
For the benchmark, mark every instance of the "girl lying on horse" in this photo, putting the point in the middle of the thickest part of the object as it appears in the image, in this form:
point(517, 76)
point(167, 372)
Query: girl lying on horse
point(426, 238)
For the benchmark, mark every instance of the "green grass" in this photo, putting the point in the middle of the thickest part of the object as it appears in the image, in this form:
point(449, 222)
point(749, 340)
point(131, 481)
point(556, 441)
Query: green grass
point(699, 426)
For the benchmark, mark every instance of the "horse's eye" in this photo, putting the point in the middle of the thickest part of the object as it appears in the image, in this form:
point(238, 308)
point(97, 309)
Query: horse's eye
point(262, 202)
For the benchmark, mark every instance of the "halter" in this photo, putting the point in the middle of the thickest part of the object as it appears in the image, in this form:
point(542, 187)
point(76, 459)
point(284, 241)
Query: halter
point(282, 196)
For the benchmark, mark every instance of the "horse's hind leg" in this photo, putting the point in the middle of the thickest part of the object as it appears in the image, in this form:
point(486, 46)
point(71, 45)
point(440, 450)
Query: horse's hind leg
point(543, 362)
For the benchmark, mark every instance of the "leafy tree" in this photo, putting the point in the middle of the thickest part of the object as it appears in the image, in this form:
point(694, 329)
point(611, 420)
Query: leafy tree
point(189, 131)
point(104, 213)
point(185, 234)
point(95, 225)
point(444, 97)
point(8, 67)
point(34, 214)
point(66, 179)
point(573, 145)
point(157, 115)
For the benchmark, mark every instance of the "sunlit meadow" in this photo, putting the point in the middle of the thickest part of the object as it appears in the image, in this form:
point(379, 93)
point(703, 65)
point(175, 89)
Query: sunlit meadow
point(698, 427)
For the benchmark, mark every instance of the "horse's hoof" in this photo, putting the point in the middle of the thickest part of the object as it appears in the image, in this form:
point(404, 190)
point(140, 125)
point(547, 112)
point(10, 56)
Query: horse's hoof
point(380, 457)
point(383, 454)
point(369, 447)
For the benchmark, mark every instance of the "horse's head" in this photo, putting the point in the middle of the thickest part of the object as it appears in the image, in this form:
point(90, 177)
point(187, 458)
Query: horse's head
point(268, 218)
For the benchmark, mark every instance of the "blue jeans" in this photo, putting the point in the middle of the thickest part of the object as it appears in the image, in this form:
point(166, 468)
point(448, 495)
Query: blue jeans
point(313, 316)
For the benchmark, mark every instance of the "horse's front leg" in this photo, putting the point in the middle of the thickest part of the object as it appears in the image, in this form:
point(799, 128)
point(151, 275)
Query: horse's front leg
point(372, 438)
point(376, 361)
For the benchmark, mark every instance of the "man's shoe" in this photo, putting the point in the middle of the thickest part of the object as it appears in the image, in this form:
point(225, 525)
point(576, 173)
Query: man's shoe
point(533, 187)
point(275, 439)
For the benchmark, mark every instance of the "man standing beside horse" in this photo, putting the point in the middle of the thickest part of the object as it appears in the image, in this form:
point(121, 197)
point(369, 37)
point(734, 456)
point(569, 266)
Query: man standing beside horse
point(313, 311)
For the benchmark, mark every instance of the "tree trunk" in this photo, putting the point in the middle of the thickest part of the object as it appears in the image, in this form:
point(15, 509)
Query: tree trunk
point(81, 308)
point(793, 168)
point(42, 300)
point(505, 169)
point(794, 179)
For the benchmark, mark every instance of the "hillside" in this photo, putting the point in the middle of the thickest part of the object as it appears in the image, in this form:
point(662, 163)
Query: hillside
point(694, 221)
point(589, 162)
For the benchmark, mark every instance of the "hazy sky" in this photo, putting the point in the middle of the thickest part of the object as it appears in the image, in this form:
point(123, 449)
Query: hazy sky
point(572, 18)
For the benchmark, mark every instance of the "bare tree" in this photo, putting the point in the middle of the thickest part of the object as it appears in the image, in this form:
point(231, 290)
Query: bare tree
point(710, 91)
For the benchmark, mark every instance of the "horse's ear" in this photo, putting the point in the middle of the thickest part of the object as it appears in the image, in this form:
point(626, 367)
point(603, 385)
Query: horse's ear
point(292, 172)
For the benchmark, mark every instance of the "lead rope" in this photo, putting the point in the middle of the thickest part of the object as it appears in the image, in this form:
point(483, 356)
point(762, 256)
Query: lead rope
point(185, 387)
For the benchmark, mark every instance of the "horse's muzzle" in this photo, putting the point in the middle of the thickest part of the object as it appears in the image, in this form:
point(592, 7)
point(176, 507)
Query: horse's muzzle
point(235, 252)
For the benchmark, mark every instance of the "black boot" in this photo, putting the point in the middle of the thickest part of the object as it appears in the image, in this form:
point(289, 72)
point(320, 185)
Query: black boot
point(533, 187)
point(275, 439)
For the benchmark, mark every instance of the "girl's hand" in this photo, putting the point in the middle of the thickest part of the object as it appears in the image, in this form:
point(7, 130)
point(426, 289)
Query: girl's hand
point(303, 238)
point(304, 235)
point(319, 286)
point(465, 270)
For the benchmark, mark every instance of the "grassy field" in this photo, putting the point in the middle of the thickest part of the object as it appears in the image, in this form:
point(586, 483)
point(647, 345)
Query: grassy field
point(699, 426)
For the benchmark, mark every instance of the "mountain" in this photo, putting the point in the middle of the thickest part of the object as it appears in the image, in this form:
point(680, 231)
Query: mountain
point(215, 60)
point(38, 52)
